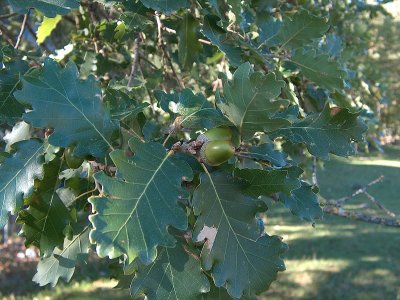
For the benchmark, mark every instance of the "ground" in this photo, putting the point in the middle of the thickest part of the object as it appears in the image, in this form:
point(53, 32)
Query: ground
point(338, 259)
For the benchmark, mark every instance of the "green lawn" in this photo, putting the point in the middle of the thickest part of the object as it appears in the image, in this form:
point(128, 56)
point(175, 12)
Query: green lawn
point(338, 259)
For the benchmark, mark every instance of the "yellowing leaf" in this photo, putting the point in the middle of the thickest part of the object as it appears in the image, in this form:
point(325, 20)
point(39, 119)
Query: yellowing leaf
point(46, 28)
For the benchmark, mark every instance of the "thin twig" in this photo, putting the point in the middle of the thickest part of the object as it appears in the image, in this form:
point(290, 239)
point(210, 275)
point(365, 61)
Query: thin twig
point(85, 193)
point(135, 63)
point(7, 16)
point(339, 202)
point(21, 32)
point(314, 172)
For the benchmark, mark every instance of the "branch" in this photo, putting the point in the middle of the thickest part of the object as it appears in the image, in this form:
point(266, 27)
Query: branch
point(21, 32)
point(135, 60)
point(334, 207)
point(338, 211)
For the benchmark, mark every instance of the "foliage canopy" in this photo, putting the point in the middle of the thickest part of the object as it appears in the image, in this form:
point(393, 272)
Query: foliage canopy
point(115, 95)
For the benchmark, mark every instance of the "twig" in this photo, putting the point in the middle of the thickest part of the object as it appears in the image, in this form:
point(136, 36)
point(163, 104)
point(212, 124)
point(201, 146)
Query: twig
point(5, 33)
point(341, 201)
point(373, 200)
point(21, 32)
point(164, 50)
point(135, 63)
point(173, 31)
point(142, 57)
point(6, 16)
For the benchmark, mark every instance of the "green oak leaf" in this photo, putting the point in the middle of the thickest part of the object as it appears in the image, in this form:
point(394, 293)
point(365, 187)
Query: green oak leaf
point(266, 152)
point(46, 28)
point(326, 132)
point(320, 69)
point(221, 38)
point(175, 274)
point(134, 20)
point(301, 29)
point(267, 182)
point(238, 257)
point(121, 106)
point(249, 101)
point(18, 172)
point(72, 107)
point(50, 8)
point(62, 263)
point(166, 6)
point(189, 45)
point(10, 109)
point(303, 202)
point(195, 110)
point(46, 217)
point(216, 293)
point(138, 205)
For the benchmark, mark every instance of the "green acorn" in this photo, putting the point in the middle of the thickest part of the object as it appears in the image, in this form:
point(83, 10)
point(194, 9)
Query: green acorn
point(216, 134)
point(214, 153)
point(73, 161)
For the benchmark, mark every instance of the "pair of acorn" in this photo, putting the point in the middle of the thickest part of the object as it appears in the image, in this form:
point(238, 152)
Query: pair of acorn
point(217, 146)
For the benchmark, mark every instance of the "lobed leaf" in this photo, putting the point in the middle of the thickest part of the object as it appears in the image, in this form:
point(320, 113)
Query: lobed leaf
point(46, 217)
point(10, 80)
point(175, 274)
point(50, 8)
point(303, 202)
point(267, 182)
point(301, 30)
point(18, 172)
point(220, 38)
point(140, 203)
point(72, 107)
point(166, 6)
point(326, 132)
point(195, 110)
point(249, 101)
point(266, 152)
point(62, 263)
point(46, 28)
point(320, 69)
point(238, 257)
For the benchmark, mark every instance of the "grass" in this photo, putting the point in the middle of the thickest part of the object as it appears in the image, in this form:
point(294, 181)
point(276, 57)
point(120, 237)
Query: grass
point(338, 259)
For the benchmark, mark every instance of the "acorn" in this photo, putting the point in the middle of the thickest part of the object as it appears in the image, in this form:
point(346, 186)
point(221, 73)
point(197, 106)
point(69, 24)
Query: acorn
point(216, 134)
point(73, 161)
point(214, 153)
